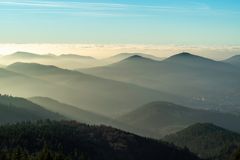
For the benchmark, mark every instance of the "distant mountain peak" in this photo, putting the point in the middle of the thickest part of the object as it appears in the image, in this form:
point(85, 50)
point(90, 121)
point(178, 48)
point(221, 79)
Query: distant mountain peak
point(122, 56)
point(185, 54)
point(21, 53)
point(187, 57)
point(136, 57)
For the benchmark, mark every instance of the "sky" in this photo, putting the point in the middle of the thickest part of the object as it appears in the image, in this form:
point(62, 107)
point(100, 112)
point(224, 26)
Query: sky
point(178, 22)
point(103, 28)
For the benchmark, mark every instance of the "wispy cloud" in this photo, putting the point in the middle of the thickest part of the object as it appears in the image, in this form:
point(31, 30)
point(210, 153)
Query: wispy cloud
point(68, 8)
point(103, 9)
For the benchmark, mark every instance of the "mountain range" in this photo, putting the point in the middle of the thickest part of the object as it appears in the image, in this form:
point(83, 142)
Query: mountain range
point(84, 116)
point(213, 84)
point(69, 61)
point(107, 97)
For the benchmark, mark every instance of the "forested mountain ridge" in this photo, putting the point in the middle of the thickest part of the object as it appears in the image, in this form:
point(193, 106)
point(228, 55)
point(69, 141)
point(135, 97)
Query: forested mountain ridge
point(75, 141)
point(207, 140)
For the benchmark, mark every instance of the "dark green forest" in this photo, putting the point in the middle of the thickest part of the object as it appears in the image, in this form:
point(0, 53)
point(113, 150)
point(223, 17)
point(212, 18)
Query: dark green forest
point(69, 140)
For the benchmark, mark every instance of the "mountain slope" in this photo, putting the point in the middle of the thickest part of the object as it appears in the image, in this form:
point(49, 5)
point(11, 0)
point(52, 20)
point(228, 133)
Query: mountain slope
point(81, 142)
point(14, 109)
point(99, 95)
point(207, 140)
point(235, 60)
point(212, 84)
point(84, 116)
point(164, 118)
point(69, 111)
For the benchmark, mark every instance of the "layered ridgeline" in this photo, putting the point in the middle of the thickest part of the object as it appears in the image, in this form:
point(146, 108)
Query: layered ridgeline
point(64, 60)
point(213, 84)
point(107, 97)
point(207, 140)
point(74, 141)
point(235, 60)
point(164, 118)
point(84, 116)
point(72, 112)
point(14, 109)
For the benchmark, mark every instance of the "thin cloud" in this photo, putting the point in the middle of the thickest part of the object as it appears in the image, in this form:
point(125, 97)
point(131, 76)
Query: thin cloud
point(105, 9)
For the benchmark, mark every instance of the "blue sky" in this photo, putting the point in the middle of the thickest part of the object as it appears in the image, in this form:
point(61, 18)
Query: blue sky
point(181, 22)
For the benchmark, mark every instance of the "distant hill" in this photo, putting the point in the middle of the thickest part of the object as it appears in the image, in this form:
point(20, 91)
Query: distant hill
point(14, 109)
point(107, 97)
point(71, 140)
point(207, 140)
point(26, 55)
point(70, 61)
point(207, 83)
point(235, 60)
point(75, 56)
point(122, 56)
point(165, 118)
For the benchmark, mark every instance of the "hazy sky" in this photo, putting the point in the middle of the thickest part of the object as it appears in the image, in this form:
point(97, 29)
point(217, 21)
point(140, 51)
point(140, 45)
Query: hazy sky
point(178, 22)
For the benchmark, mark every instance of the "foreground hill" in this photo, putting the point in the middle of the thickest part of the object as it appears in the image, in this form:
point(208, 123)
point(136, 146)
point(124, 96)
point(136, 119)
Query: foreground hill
point(213, 84)
point(14, 109)
point(207, 140)
point(164, 118)
point(74, 141)
point(92, 93)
